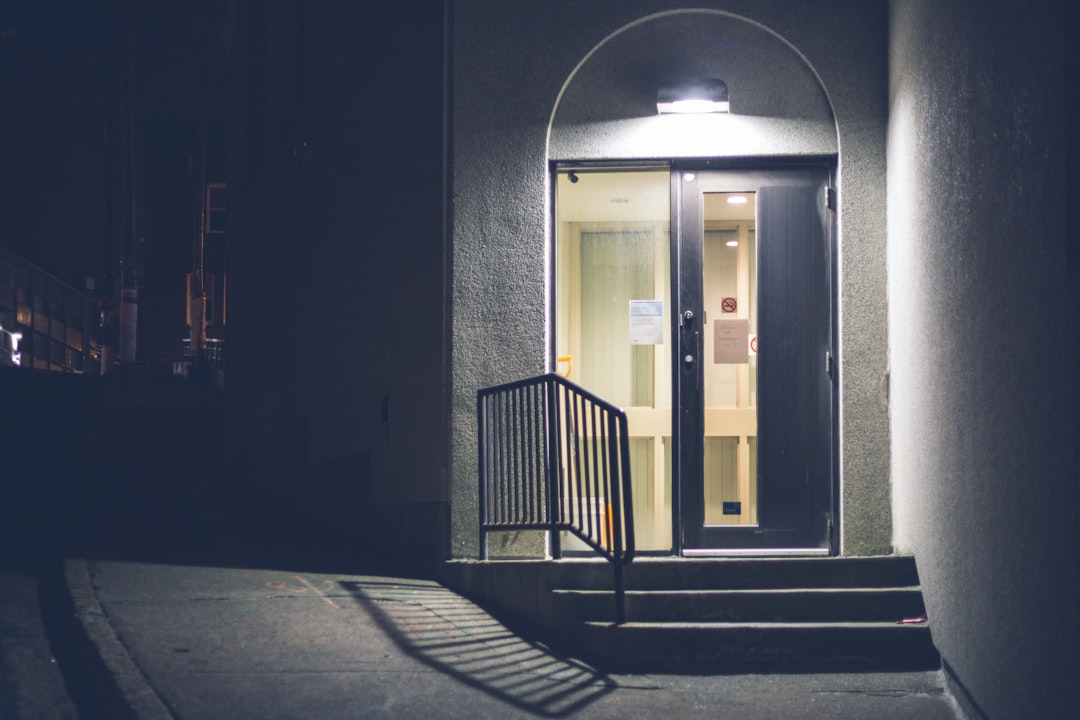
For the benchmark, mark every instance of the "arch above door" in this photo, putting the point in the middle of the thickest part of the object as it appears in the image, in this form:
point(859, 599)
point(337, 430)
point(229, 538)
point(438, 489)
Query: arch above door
point(607, 106)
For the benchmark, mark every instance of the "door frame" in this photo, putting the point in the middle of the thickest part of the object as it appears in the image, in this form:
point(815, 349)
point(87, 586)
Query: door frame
point(761, 171)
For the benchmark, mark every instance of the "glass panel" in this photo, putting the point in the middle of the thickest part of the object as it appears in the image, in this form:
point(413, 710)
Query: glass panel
point(721, 480)
point(721, 261)
point(612, 318)
point(41, 316)
point(26, 345)
point(616, 267)
point(25, 315)
point(729, 268)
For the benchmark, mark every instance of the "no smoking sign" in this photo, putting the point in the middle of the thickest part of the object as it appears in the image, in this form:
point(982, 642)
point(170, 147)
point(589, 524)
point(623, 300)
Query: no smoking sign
point(729, 304)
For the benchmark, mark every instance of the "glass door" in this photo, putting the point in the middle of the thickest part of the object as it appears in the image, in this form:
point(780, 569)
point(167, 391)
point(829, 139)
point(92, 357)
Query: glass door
point(698, 301)
point(754, 397)
point(613, 320)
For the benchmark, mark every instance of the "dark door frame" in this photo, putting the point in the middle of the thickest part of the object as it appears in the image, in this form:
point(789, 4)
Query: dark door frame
point(806, 365)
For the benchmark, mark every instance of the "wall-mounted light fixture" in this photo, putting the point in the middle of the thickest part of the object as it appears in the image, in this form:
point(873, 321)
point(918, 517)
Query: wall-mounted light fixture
point(696, 96)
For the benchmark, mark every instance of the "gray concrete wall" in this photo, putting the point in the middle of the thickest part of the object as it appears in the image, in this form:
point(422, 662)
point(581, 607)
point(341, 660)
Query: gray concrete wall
point(982, 297)
point(336, 335)
point(810, 79)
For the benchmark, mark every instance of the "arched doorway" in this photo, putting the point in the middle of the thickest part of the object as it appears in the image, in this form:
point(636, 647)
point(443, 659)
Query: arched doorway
point(710, 321)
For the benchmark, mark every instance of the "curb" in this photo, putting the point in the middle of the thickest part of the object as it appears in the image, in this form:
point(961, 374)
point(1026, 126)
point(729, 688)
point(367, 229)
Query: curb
point(107, 683)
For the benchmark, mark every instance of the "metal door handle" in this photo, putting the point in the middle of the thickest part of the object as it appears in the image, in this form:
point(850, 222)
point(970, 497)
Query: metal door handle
point(698, 348)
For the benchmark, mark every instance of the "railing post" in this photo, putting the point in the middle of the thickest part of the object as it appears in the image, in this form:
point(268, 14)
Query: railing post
point(615, 443)
point(629, 542)
point(482, 429)
point(554, 465)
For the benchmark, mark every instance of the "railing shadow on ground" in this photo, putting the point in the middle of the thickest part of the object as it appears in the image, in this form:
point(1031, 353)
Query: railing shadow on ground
point(457, 638)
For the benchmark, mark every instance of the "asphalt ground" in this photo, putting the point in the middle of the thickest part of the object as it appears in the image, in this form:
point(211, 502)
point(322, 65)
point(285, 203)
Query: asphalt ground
point(31, 684)
point(135, 582)
point(209, 643)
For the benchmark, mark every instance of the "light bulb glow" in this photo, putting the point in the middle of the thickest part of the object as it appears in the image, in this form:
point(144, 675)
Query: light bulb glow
point(693, 107)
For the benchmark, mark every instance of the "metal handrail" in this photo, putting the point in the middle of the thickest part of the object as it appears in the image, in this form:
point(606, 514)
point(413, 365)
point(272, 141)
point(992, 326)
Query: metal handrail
point(554, 457)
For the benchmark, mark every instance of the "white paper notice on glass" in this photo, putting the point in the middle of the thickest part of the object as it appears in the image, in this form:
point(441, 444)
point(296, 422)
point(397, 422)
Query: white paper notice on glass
point(646, 322)
point(731, 341)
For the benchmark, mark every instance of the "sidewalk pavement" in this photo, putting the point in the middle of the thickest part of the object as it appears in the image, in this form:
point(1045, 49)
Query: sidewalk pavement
point(171, 641)
point(31, 685)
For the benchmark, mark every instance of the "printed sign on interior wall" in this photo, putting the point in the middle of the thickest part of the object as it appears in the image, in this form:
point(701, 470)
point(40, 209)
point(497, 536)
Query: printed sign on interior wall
point(646, 322)
point(731, 341)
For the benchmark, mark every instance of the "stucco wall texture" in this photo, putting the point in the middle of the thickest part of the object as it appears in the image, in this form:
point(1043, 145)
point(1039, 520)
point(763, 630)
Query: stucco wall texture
point(336, 330)
point(811, 78)
point(982, 276)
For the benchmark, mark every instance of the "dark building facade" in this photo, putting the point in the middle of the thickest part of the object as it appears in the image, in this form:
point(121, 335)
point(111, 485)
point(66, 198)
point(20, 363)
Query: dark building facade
point(55, 322)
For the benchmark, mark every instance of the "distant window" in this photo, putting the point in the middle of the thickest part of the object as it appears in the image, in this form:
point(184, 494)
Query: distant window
point(217, 212)
point(22, 297)
point(210, 312)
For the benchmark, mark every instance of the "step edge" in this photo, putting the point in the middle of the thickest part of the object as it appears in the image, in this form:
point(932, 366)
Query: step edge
point(687, 592)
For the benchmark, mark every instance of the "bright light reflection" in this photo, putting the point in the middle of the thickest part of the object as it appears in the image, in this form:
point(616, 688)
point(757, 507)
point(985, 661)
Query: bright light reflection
point(737, 199)
point(16, 356)
point(693, 106)
point(676, 135)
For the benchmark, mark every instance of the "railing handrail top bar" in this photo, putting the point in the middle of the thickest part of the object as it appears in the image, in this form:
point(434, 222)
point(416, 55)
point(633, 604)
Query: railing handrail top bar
point(548, 377)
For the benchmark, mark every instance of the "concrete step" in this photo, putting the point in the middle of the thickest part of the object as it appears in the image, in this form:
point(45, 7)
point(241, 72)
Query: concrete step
point(728, 606)
point(695, 647)
point(748, 615)
point(649, 573)
point(716, 615)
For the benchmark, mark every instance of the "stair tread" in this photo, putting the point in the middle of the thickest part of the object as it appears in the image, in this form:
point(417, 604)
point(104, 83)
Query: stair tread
point(692, 625)
point(747, 591)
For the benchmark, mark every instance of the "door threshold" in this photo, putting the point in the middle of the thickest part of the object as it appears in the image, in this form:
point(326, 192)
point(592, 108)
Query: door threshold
point(755, 552)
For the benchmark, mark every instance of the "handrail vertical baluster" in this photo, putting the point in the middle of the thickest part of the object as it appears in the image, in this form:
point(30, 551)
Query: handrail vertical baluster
point(553, 456)
point(577, 450)
point(554, 467)
point(595, 434)
point(616, 523)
